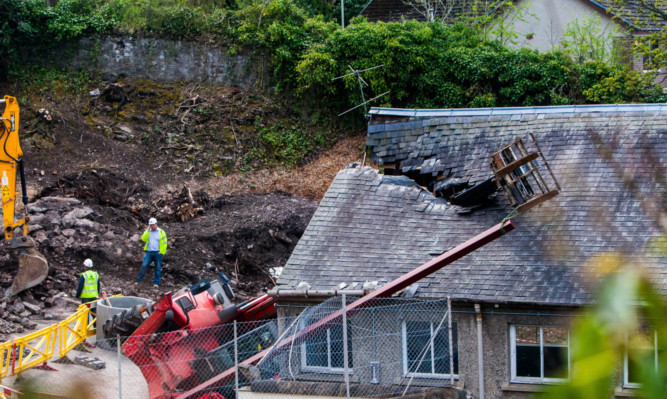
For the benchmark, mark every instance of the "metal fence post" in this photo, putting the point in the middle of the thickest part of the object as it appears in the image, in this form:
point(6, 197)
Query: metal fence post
point(345, 356)
point(120, 377)
point(451, 344)
point(342, 14)
point(236, 362)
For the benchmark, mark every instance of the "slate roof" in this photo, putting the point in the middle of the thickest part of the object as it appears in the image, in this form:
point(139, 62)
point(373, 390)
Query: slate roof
point(631, 13)
point(374, 227)
point(396, 10)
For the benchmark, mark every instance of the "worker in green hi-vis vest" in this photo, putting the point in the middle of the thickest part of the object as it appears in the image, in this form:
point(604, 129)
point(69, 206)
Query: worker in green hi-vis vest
point(89, 285)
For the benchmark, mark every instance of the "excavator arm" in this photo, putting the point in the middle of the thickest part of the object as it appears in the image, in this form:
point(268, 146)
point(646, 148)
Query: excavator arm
point(33, 267)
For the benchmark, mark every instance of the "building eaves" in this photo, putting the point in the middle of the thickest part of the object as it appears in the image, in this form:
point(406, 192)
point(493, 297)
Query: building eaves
point(556, 109)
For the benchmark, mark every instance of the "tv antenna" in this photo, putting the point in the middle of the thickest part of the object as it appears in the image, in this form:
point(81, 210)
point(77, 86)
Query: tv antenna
point(360, 80)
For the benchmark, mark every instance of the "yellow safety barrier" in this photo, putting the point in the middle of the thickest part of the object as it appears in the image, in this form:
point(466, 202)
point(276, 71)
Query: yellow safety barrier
point(73, 330)
point(90, 329)
point(5, 358)
point(38, 347)
point(34, 349)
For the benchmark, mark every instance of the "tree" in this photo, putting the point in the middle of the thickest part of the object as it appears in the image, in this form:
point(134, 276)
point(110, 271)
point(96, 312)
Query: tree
point(587, 40)
point(494, 19)
point(433, 10)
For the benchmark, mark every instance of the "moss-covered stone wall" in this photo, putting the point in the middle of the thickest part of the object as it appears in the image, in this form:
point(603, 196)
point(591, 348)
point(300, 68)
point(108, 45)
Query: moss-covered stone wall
point(159, 60)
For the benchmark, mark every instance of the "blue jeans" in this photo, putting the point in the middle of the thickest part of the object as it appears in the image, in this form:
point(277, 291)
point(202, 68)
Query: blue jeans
point(151, 256)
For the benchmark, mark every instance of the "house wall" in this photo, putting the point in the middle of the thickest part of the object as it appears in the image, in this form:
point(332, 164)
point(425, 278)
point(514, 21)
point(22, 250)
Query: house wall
point(496, 321)
point(547, 21)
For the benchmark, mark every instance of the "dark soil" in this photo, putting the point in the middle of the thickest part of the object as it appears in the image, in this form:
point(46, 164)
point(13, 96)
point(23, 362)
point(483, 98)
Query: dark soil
point(177, 153)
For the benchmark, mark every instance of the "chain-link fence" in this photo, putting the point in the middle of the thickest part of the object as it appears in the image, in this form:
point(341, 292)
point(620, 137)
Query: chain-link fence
point(374, 351)
point(377, 350)
point(168, 364)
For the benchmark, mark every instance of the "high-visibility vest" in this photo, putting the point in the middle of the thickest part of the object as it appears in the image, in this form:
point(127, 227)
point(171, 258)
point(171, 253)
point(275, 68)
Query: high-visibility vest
point(162, 236)
point(90, 279)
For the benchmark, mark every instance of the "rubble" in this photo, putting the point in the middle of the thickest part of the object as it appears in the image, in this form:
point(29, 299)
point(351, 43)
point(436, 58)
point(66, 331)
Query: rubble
point(33, 309)
point(248, 237)
point(91, 362)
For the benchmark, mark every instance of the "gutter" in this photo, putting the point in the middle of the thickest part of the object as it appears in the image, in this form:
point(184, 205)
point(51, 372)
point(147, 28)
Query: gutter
point(281, 293)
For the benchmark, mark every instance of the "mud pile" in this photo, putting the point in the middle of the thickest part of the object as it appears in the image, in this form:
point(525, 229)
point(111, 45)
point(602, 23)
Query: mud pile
point(96, 214)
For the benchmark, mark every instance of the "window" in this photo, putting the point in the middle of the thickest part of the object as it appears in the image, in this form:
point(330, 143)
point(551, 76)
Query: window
point(642, 348)
point(539, 354)
point(426, 349)
point(650, 50)
point(324, 351)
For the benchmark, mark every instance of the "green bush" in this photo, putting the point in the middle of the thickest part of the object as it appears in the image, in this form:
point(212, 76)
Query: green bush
point(178, 22)
point(68, 20)
point(31, 22)
point(283, 30)
point(605, 84)
point(432, 66)
point(278, 145)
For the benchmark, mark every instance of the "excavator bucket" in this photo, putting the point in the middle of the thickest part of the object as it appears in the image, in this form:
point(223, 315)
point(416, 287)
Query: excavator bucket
point(33, 267)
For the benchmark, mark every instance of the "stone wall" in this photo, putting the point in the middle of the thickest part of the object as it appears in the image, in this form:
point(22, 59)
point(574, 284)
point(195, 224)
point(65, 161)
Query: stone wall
point(159, 60)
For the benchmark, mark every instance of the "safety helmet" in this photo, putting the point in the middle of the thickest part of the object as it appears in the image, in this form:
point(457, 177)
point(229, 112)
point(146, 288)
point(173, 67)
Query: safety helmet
point(88, 263)
point(152, 221)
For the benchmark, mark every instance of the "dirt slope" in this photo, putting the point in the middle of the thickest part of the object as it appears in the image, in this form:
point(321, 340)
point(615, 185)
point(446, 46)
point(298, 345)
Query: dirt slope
point(155, 156)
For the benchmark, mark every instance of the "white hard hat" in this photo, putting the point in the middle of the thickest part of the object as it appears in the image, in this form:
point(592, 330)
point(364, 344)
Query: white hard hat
point(152, 221)
point(88, 263)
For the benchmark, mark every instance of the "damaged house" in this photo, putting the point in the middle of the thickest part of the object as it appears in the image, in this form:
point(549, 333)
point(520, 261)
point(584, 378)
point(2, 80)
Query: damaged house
point(512, 300)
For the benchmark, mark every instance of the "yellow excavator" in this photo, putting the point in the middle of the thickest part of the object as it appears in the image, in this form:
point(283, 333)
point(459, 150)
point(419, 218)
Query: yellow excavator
point(33, 267)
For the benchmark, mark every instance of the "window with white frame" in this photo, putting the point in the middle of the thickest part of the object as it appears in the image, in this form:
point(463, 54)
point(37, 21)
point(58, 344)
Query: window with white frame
point(324, 351)
point(539, 354)
point(426, 349)
point(642, 352)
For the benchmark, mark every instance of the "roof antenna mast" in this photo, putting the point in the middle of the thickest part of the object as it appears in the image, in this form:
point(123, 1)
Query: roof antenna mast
point(360, 80)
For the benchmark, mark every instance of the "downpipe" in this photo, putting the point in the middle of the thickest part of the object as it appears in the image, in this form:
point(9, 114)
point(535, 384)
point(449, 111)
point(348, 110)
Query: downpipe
point(480, 350)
